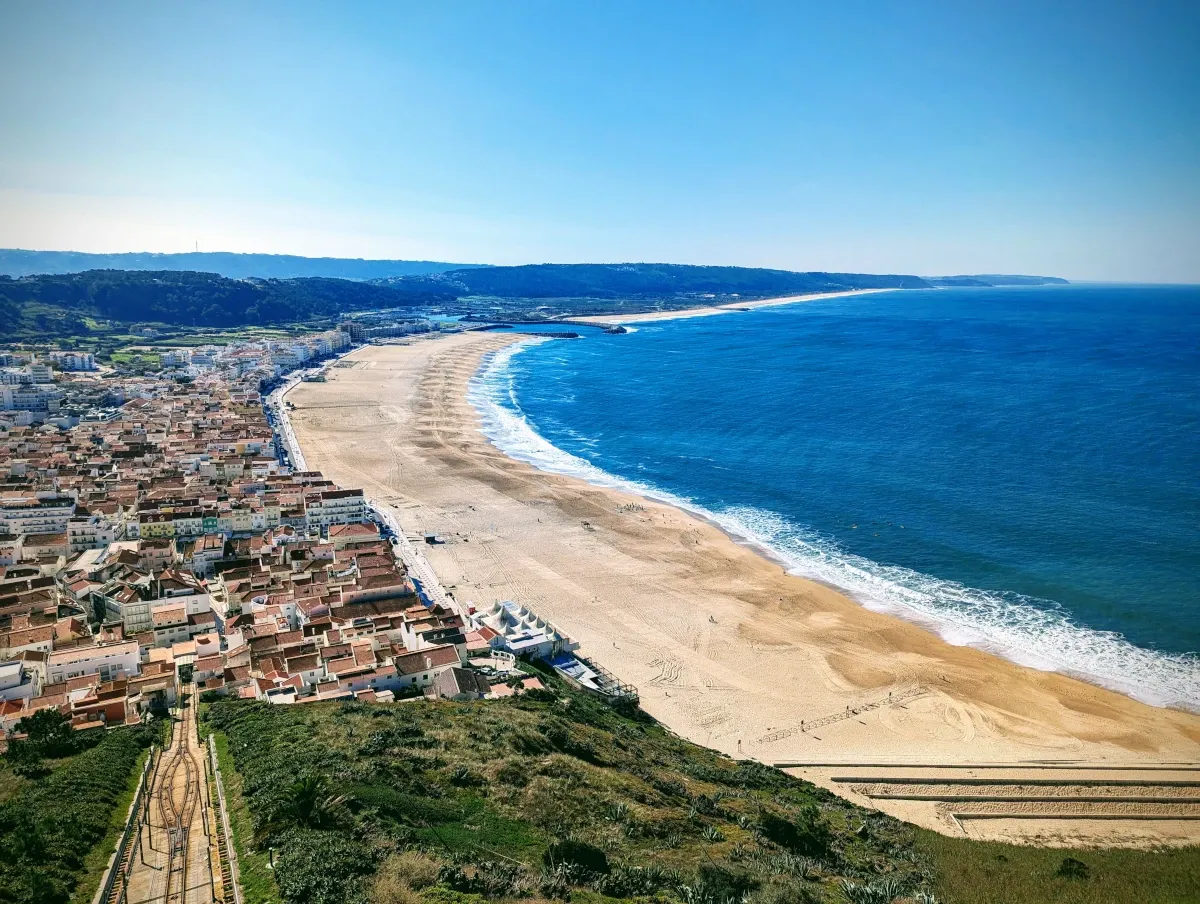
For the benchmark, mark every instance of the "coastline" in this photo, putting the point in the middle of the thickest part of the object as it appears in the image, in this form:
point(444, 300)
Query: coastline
point(711, 310)
point(726, 648)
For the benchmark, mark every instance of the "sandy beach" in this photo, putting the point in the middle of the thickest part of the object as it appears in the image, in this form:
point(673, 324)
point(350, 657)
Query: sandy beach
point(730, 651)
point(733, 308)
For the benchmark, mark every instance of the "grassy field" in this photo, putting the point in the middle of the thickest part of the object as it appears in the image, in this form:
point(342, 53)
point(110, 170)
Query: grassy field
point(131, 358)
point(977, 872)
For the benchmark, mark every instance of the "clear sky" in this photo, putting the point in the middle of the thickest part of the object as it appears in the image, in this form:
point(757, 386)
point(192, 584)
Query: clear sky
point(1059, 138)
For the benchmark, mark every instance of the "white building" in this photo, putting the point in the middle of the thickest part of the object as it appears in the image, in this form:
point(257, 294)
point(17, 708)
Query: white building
point(128, 604)
point(421, 669)
point(18, 681)
point(42, 513)
point(30, 397)
point(522, 633)
point(11, 548)
point(74, 360)
point(111, 661)
point(94, 531)
point(334, 507)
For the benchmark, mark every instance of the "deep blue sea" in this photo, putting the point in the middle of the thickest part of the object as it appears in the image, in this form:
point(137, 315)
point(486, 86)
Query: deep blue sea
point(1017, 469)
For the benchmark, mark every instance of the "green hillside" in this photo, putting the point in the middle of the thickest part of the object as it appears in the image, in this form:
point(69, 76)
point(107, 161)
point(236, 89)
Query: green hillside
point(62, 305)
point(543, 796)
point(63, 807)
point(556, 796)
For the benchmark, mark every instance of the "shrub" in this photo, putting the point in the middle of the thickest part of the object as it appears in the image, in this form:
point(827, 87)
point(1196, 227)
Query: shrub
point(401, 877)
point(867, 894)
point(784, 891)
point(321, 868)
point(577, 853)
point(443, 895)
point(49, 734)
point(463, 777)
point(487, 878)
point(25, 760)
point(808, 834)
point(632, 881)
point(1070, 868)
point(514, 773)
point(721, 884)
point(390, 738)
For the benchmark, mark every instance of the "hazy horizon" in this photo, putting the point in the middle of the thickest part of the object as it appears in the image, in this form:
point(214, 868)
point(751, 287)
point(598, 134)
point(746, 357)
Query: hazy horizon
point(924, 139)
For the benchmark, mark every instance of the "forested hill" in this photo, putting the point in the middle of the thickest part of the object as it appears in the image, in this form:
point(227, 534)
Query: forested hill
point(659, 281)
point(58, 304)
point(14, 262)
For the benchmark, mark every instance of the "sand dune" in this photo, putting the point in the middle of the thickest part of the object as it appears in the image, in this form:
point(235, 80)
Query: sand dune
point(725, 648)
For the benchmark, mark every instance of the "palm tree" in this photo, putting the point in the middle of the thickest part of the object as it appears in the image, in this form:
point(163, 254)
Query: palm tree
point(306, 803)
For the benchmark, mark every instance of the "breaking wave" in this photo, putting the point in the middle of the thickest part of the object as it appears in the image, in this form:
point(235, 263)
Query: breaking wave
point(1032, 632)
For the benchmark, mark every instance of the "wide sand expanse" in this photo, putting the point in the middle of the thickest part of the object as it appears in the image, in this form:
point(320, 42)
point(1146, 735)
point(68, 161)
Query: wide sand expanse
point(731, 308)
point(725, 647)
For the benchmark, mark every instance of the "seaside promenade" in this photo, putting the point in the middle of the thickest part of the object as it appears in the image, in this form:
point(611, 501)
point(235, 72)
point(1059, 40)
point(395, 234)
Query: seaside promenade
point(730, 651)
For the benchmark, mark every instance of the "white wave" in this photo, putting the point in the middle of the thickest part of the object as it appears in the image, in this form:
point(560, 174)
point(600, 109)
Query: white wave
point(1034, 633)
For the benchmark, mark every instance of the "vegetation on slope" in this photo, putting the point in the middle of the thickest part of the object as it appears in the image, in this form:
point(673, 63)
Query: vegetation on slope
point(982, 872)
point(59, 820)
point(547, 795)
point(659, 281)
point(59, 305)
point(71, 304)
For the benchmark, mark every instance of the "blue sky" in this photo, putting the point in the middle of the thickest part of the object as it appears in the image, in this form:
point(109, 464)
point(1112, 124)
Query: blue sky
point(905, 137)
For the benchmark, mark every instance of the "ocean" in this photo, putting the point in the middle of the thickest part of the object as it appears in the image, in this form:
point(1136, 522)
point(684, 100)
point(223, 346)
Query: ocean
point(1017, 469)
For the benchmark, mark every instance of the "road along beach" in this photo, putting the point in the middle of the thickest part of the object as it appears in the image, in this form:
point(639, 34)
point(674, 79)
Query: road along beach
point(730, 651)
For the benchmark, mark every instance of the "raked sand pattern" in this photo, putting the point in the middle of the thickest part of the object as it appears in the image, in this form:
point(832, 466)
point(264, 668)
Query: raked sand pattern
point(730, 651)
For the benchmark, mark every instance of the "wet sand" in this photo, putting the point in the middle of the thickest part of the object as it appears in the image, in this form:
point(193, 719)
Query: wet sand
point(725, 648)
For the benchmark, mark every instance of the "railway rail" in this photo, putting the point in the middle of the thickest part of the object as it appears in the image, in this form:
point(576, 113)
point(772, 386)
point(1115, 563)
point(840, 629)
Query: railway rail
point(172, 861)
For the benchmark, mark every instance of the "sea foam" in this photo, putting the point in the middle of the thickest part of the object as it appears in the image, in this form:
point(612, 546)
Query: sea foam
point(1031, 632)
